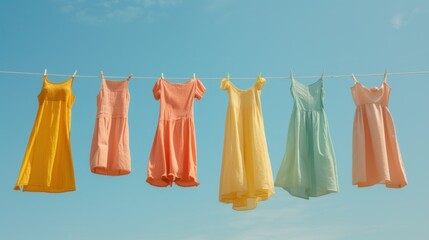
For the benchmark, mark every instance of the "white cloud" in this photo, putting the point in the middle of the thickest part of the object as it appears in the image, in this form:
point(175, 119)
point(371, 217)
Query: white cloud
point(397, 21)
point(400, 20)
point(223, 10)
point(67, 8)
point(96, 12)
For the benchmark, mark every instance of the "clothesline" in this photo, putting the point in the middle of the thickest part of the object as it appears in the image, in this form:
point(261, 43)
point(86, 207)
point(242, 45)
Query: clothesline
point(218, 78)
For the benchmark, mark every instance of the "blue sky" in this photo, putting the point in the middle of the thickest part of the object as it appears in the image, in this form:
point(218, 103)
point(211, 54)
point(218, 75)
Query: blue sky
point(210, 38)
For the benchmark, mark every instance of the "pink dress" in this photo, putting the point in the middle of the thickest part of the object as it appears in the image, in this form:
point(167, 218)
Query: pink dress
point(376, 155)
point(173, 157)
point(110, 151)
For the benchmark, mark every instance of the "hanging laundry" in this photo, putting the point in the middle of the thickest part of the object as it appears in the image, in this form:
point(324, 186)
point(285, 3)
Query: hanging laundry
point(376, 155)
point(246, 176)
point(110, 151)
point(173, 157)
point(308, 168)
point(47, 164)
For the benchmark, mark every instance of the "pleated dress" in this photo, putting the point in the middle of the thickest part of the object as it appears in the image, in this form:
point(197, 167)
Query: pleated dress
point(47, 165)
point(110, 150)
point(173, 157)
point(309, 167)
point(376, 155)
point(246, 177)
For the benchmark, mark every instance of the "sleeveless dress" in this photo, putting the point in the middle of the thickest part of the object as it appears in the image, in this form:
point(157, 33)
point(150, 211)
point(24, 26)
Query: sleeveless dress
point(110, 150)
point(47, 164)
point(376, 155)
point(308, 168)
point(173, 157)
point(246, 176)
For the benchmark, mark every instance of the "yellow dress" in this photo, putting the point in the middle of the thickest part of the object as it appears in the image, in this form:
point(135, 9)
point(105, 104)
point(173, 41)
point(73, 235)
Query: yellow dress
point(47, 164)
point(246, 175)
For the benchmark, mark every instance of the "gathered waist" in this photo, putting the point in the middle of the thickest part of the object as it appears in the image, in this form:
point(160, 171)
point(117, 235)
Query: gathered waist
point(112, 115)
point(369, 104)
point(177, 118)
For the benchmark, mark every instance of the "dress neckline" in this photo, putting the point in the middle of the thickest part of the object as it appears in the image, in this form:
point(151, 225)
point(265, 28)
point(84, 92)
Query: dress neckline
point(375, 94)
point(320, 80)
point(242, 90)
point(57, 83)
point(371, 89)
point(177, 84)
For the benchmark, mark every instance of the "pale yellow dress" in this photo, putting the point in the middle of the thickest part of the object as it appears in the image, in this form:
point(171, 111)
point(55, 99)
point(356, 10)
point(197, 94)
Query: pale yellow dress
point(47, 164)
point(246, 176)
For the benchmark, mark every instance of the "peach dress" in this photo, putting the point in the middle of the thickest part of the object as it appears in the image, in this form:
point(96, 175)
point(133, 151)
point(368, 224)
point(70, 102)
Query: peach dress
point(173, 157)
point(110, 150)
point(376, 155)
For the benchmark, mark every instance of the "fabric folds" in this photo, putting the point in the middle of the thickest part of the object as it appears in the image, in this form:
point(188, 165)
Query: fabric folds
point(246, 175)
point(173, 157)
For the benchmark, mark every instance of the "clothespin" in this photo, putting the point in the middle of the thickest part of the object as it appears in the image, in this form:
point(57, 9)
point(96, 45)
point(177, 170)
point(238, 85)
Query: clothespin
point(193, 76)
point(46, 71)
point(162, 75)
point(354, 78)
point(74, 74)
point(130, 76)
point(385, 75)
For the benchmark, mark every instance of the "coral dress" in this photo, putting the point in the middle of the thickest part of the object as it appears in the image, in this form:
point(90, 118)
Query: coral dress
point(308, 168)
point(110, 150)
point(173, 157)
point(376, 155)
point(47, 164)
point(246, 176)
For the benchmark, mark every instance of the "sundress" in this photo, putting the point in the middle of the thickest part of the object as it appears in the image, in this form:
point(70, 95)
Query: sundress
point(246, 177)
point(110, 150)
point(376, 155)
point(308, 168)
point(47, 164)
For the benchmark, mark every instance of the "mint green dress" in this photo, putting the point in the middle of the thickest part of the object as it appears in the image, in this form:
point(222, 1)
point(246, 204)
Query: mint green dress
point(308, 168)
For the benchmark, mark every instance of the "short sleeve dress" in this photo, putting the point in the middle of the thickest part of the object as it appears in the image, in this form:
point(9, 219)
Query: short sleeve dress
point(246, 177)
point(173, 157)
point(48, 164)
point(309, 167)
point(376, 155)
